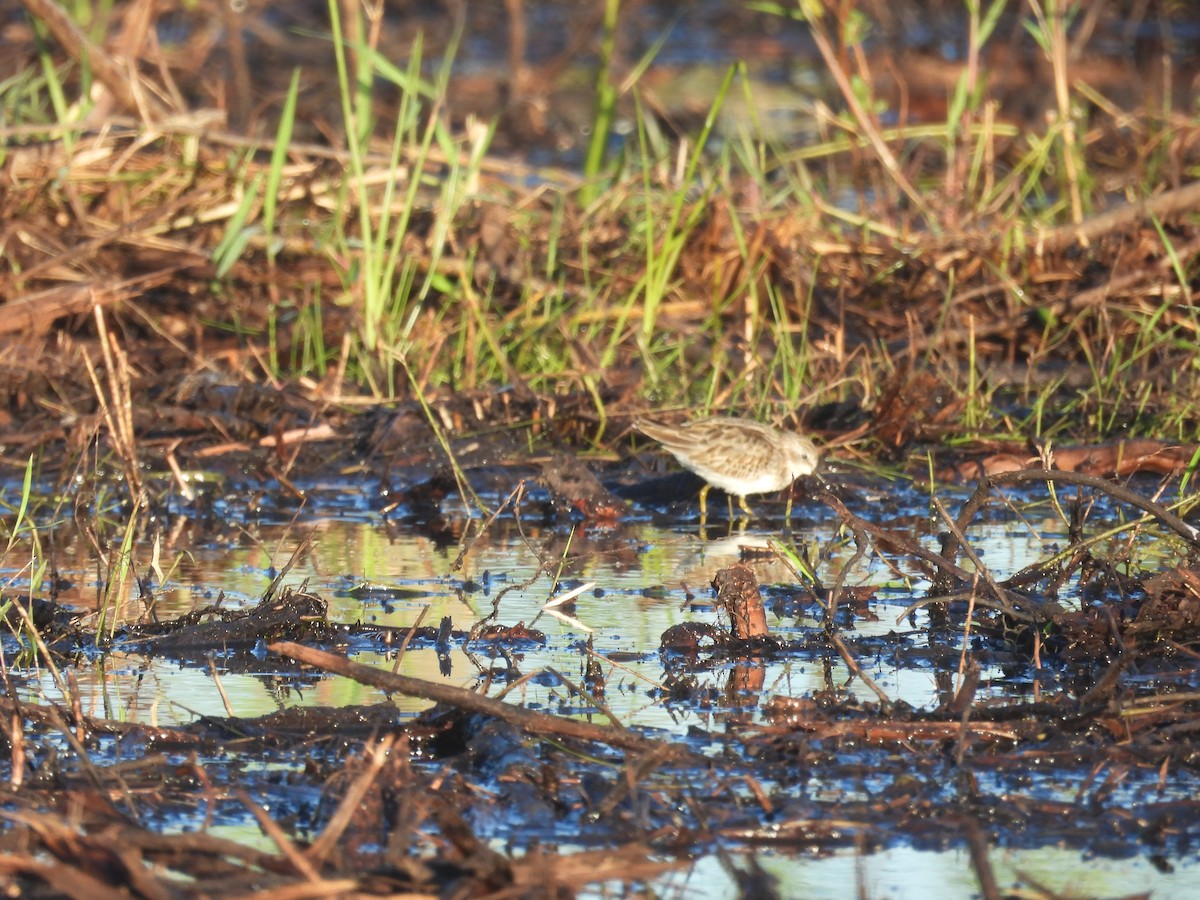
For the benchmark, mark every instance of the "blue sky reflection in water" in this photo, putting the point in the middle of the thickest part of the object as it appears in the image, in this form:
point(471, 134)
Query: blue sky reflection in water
point(647, 578)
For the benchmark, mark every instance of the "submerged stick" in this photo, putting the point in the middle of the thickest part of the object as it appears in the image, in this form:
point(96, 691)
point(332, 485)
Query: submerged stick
point(469, 701)
point(952, 543)
point(942, 570)
point(849, 659)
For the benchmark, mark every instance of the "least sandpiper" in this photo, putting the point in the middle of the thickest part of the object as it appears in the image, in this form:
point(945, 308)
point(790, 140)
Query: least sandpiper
point(737, 455)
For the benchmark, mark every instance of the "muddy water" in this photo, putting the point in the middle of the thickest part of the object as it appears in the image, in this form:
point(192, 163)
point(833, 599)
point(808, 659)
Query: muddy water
point(645, 575)
point(646, 578)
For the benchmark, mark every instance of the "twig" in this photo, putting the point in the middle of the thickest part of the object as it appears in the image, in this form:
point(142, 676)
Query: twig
point(512, 498)
point(850, 661)
point(977, 842)
point(408, 636)
point(628, 670)
point(216, 676)
point(1043, 611)
point(1186, 198)
point(281, 840)
point(962, 704)
point(589, 696)
point(953, 542)
point(893, 539)
point(887, 159)
point(525, 719)
point(348, 808)
point(107, 71)
point(1003, 597)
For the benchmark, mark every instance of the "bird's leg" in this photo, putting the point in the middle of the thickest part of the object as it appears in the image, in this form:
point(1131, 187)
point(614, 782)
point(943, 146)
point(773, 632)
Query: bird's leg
point(704, 502)
point(745, 508)
point(787, 513)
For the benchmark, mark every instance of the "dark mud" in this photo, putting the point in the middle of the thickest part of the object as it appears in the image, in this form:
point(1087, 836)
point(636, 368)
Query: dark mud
point(768, 717)
point(1066, 714)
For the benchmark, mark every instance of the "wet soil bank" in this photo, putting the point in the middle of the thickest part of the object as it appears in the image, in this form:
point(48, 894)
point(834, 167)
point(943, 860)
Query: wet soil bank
point(159, 390)
point(481, 795)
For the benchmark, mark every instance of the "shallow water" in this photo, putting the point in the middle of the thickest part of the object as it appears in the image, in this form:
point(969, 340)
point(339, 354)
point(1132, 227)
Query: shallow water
point(645, 575)
point(646, 578)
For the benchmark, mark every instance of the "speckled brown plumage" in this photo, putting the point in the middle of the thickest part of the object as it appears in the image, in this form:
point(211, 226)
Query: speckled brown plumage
point(737, 455)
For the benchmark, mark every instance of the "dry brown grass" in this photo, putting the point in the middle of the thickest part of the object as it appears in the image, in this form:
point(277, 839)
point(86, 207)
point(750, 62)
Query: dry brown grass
point(800, 303)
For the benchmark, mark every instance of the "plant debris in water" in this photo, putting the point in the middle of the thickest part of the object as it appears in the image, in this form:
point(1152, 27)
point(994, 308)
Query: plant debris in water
point(389, 801)
point(362, 287)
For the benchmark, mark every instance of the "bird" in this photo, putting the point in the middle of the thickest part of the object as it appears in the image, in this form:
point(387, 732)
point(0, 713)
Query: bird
point(740, 456)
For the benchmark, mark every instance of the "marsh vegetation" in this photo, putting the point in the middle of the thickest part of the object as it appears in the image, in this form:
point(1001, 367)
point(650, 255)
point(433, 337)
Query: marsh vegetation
point(324, 330)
